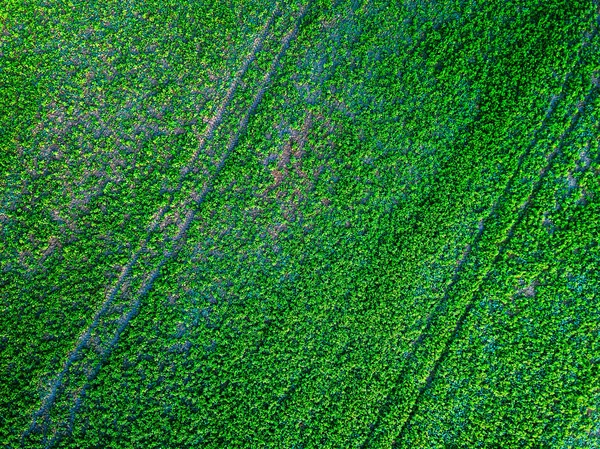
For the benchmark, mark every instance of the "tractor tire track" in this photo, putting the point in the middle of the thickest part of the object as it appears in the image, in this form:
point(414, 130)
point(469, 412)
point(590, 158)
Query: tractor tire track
point(388, 401)
point(85, 338)
point(502, 246)
point(179, 240)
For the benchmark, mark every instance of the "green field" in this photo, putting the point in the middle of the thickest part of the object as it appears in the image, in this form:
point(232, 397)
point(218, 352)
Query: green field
point(300, 224)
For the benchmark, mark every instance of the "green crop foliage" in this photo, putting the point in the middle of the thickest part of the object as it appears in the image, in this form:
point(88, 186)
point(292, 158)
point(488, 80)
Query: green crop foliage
point(303, 224)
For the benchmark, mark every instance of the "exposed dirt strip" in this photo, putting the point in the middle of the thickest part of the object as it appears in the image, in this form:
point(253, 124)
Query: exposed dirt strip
point(214, 123)
point(178, 242)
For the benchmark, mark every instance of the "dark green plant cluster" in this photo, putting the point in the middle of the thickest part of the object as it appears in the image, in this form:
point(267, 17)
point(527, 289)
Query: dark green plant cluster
point(307, 224)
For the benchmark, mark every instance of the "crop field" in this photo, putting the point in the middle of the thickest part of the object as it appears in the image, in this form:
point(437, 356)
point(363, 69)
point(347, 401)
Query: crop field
point(300, 224)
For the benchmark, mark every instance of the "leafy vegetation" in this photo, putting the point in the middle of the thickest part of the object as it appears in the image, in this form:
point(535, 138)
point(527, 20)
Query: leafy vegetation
point(299, 224)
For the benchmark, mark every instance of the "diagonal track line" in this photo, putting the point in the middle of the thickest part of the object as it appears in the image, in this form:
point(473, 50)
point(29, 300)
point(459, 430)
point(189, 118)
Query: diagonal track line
point(592, 94)
point(179, 240)
point(205, 137)
point(215, 122)
point(587, 168)
point(384, 409)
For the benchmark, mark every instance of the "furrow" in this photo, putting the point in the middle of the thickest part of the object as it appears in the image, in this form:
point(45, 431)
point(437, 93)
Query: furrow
point(84, 339)
point(501, 249)
point(179, 240)
point(440, 307)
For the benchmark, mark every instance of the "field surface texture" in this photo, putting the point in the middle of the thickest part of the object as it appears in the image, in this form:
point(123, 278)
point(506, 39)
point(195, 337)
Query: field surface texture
point(300, 224)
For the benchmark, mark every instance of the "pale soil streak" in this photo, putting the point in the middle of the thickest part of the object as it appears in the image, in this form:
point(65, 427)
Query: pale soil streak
point(295, 147)
point(290, 202)
point(85, 337)
point(63, 125)
point(299, 138)
point(178, 242)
